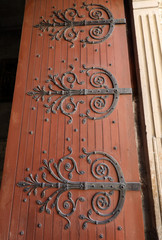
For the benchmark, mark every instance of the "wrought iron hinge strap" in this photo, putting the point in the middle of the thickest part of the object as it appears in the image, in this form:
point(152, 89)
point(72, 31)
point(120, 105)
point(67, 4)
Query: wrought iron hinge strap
point(64, 24)
point(110, 91)
point(129, 186)
point(84, 23)
point(101, 200)
point(103, 83)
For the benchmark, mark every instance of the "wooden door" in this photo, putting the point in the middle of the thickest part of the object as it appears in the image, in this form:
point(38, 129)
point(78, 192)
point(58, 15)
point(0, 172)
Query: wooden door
point(71, 169)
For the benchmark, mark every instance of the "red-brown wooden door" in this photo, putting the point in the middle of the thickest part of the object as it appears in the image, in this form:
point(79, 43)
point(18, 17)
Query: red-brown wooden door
point(71, 169)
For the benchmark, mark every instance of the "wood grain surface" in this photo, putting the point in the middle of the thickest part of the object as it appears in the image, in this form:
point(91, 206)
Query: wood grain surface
point(35, 135)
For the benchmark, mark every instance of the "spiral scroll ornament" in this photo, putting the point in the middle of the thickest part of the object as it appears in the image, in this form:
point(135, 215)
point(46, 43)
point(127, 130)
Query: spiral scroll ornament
point(106, 93)
point(101, 201)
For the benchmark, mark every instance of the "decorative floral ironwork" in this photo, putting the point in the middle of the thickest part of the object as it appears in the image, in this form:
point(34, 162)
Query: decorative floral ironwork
point(65, 85)
point(31, 184)
point(103, 85)
point(64, 24)
point(100, 164)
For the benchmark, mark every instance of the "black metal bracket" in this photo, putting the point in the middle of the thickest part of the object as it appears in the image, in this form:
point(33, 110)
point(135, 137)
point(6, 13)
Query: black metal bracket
point(100, 166)
point(103, 84)
point(63, 24)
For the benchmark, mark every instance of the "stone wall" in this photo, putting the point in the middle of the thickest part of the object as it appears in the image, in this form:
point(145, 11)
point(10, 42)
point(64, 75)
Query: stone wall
point(148, 29)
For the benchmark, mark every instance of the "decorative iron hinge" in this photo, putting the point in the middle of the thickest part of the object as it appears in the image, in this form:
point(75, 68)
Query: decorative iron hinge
point(101, 166)
point(63, 24)
point(105, 93)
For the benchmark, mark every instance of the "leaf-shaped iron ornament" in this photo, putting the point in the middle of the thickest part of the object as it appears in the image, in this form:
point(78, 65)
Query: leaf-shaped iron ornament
point(64, 24)
point(102, 85)
point(101, 167)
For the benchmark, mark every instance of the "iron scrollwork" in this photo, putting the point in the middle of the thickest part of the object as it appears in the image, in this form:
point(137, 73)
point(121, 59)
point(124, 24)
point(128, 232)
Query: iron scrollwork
point(103, 85)
point(101, 165)
point(64, 24)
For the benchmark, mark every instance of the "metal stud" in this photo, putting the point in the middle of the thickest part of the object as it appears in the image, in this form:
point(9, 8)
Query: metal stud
point(96, 50)
point(51, 47)
point(119, 228)
point(63, 61)
point(76, 59)
point(113, 121)
point(83, 139)
point(33, 108)
point(36, 78)
point(115, 148)
point(39, 225)
point(40, 34)
point(68, 139)
point(110, 64)
point(44, 151)
point(75, 130)
point(24, 200)
point(101, 236)
point(49, 68)
point(37, 55)
point(109, 45)
point(27, 169)
point(46, 120)
point(22, 233)
point(31, 132)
